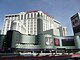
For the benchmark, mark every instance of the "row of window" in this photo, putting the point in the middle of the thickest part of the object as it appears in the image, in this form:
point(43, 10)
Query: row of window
point(27, 16)
point(13, 17)
point(30, 15)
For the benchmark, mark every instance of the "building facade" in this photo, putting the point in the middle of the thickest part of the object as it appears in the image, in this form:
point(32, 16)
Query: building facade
point(32, 23)
point(20, 36)
point(20, 43)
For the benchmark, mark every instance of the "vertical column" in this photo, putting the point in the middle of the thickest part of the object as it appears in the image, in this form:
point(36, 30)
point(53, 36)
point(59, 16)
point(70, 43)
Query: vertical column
point(77, 40)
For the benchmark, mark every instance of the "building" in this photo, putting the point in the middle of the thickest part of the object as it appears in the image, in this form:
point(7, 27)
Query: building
point(32, 23)
point(20, 43)
point(47, 40)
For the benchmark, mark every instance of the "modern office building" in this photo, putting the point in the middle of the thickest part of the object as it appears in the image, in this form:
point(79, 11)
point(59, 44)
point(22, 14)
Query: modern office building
point(32, 23)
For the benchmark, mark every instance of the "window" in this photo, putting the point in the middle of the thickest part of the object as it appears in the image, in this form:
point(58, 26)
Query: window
point(34, 31)
point(34, 22)
point(31, 25)
point(28, 30)
point(46, 17)
point(38, 15)
point(34, 14)
point(21, 17)
point(31, 15)
point(25, 16)
point(31, 32)
point(6, 16)
point(28, 15)
point(68, 42)
point(41, 15)
point(31, 21)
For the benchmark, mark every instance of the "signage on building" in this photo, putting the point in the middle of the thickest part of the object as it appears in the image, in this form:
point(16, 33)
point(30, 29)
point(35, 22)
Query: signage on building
point(68, 42)
point(49, 41)
point(75, 20)
point(75, 23)
point(56, 42)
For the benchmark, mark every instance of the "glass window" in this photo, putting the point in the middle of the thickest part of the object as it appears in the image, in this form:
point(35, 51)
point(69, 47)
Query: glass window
point(41, 15)
point(28, 15)
point(21, 17)
point(38, 15)
point(68, 42)
point(34, 14)
point(31, 15)
point(25, 16)
point(6, 16)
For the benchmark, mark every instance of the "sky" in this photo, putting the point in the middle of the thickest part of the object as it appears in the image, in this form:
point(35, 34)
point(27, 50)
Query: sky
point(61, 10)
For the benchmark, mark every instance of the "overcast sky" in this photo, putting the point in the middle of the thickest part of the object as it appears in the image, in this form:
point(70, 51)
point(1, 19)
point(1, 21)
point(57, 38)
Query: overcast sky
point(61, 10)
